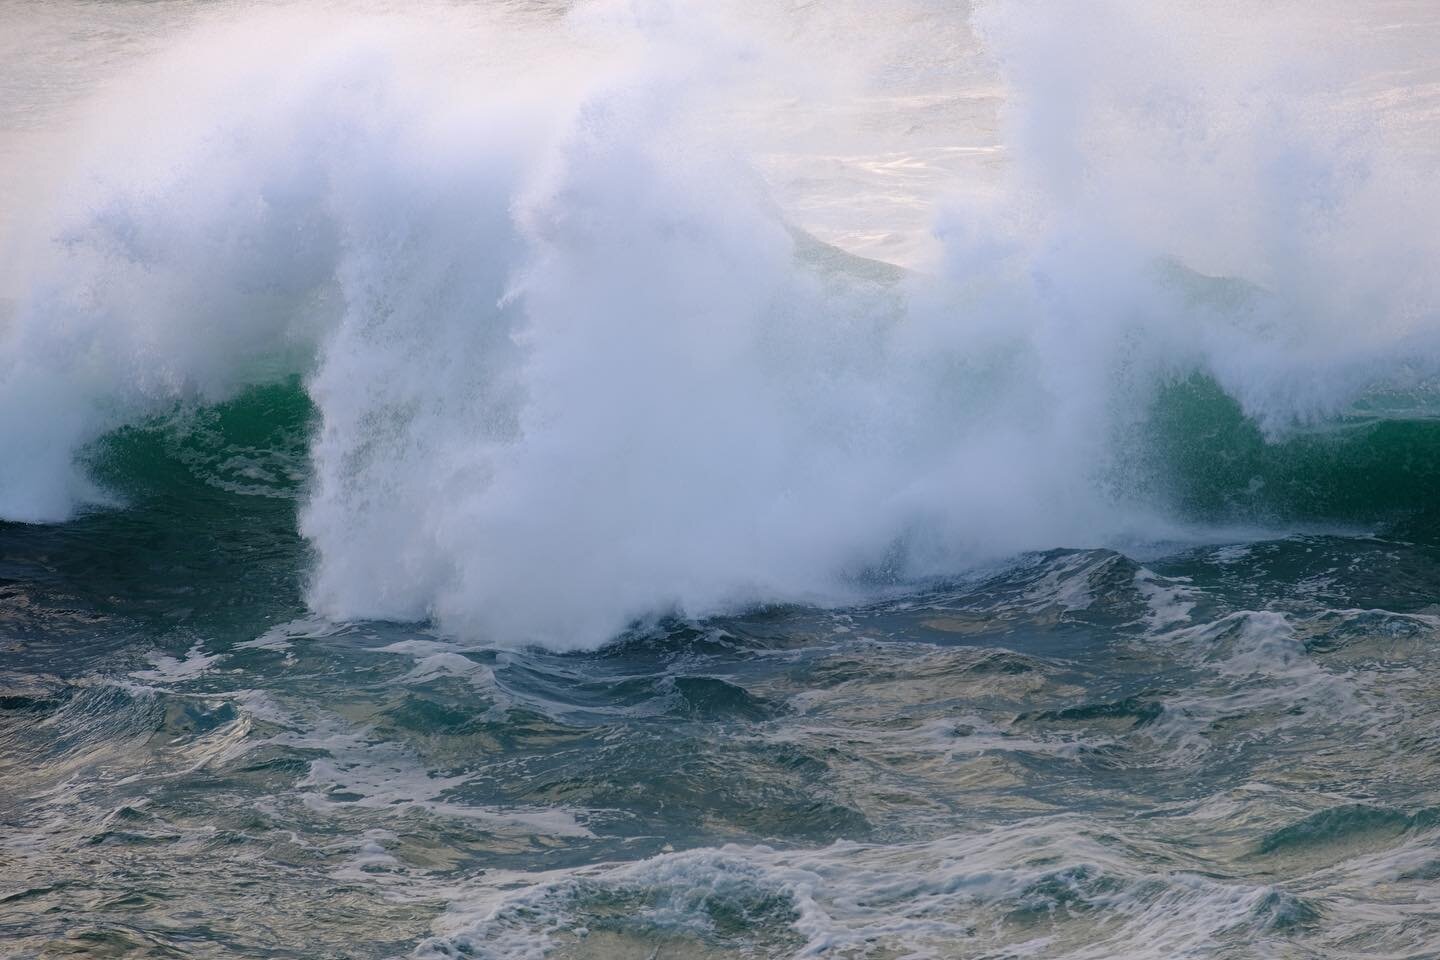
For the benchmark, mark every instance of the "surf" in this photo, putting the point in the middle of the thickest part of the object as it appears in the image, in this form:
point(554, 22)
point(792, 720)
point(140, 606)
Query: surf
point(561, 353)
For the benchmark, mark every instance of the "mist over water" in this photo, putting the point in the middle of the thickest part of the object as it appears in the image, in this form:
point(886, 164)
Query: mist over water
point(556, 325)
point(722, 479)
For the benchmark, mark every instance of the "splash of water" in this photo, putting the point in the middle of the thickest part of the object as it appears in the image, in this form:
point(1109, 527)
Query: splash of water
point(574, 365)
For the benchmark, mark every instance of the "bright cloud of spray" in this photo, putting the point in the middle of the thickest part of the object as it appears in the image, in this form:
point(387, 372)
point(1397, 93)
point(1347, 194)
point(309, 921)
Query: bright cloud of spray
point(574, 366)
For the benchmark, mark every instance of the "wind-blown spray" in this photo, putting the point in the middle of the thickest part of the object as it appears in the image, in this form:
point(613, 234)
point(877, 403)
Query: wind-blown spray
point(572, 364)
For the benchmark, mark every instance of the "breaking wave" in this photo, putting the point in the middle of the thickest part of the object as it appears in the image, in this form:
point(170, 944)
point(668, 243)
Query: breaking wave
point(517, 316)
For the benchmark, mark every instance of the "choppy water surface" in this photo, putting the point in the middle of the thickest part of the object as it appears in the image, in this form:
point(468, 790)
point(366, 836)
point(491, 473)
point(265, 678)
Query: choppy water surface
point(736, 480)
point(1219, 751)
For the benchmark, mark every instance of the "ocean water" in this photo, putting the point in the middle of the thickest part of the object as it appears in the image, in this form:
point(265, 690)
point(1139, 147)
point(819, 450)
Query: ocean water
point(651, 479)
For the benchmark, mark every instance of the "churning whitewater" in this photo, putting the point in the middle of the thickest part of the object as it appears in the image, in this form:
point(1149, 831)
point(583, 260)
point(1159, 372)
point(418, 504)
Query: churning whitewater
point(640, 478)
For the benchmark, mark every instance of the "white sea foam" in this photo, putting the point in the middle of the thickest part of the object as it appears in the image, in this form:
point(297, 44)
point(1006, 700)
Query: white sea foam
point(169, 669)
point(919, 900)
point(282, 636)
point(1263, 669)
point(1168, 601)
point(571, 364)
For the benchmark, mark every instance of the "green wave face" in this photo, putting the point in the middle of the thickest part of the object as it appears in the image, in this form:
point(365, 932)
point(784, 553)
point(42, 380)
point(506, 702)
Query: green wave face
point(253, 445)
point(201, 534)
point(1202, 456)
point(240, 467)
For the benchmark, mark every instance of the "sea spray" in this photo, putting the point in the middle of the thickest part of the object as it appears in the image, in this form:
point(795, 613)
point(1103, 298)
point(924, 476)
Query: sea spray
point(355, 348)
point(572, 369)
